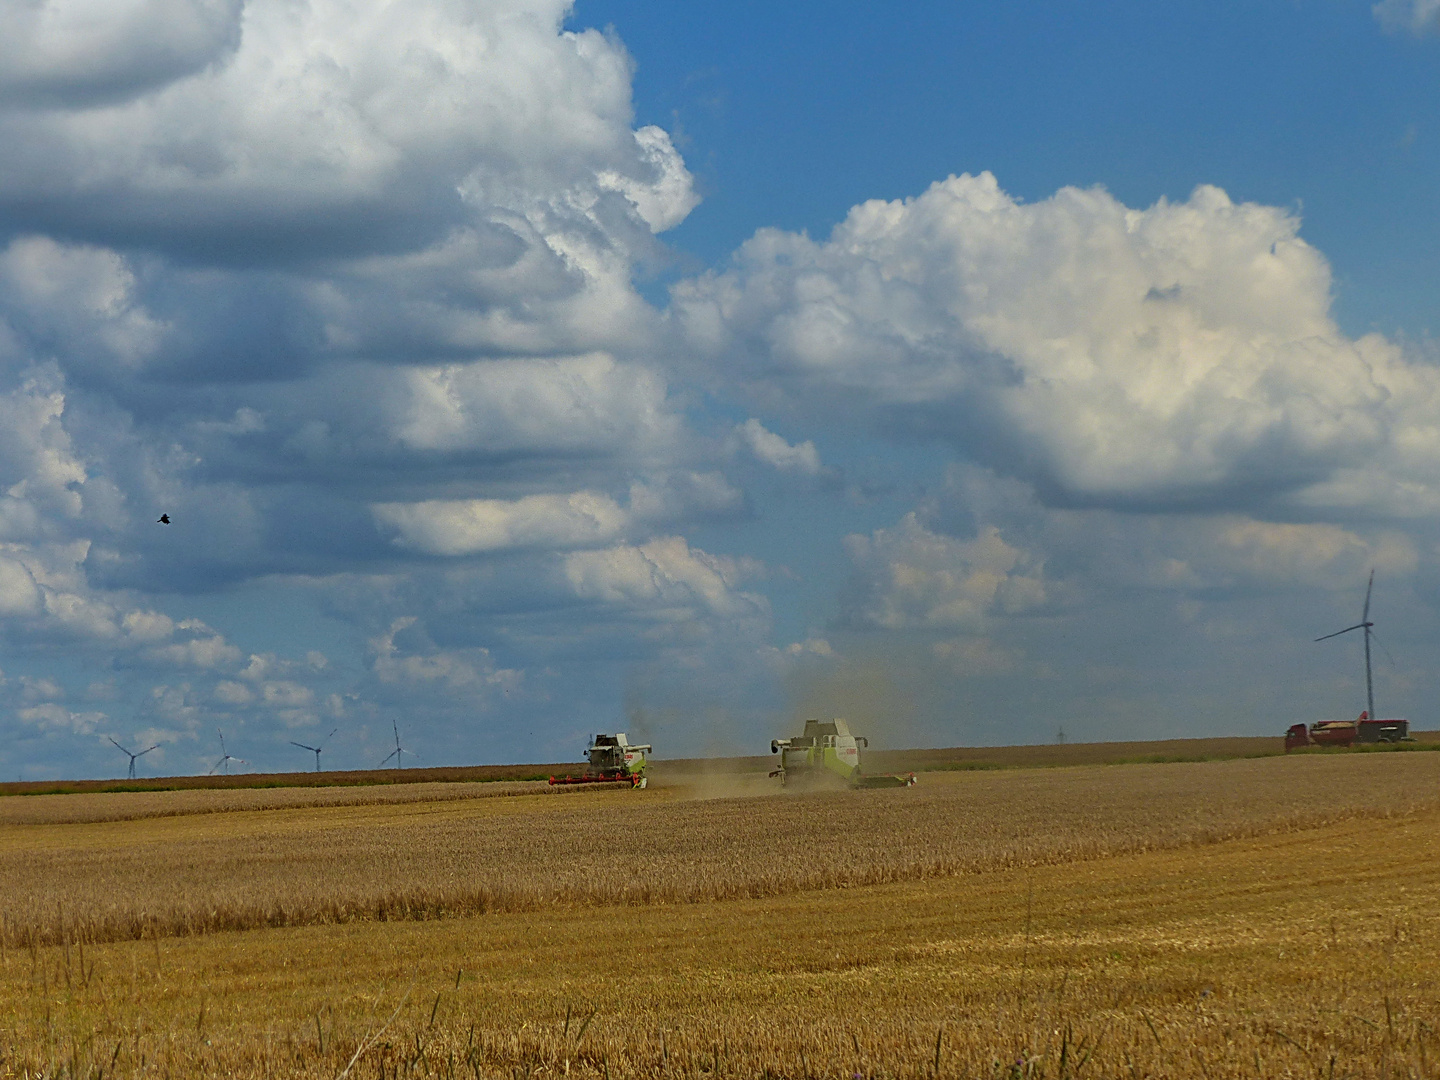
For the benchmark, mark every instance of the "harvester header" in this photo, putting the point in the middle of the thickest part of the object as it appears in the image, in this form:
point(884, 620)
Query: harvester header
point(611, 759)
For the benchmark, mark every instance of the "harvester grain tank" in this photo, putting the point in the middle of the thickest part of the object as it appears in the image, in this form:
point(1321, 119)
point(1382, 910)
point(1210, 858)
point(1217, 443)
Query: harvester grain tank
point(828, 751)
point(612, 759)
point(1347, 732)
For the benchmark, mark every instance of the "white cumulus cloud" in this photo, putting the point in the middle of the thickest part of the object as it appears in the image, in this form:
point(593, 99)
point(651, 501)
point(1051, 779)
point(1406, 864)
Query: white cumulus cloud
point(1416, 16)
point(586, 404)
point(909, 578)
point(1175, 354)
point(423, 666)
point(666, 578)
point(583, 519)
point(331, 111)
point(53, 717)
point(774, 451)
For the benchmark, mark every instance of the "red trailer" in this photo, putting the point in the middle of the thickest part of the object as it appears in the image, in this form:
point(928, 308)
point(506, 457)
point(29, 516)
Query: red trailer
point(1347, 732)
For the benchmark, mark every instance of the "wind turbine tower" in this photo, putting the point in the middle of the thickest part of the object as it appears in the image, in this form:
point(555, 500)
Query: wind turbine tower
point(1366, 625)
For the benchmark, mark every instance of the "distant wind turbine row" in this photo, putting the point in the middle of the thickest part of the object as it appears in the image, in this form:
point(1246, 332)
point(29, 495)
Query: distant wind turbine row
point(222, 765)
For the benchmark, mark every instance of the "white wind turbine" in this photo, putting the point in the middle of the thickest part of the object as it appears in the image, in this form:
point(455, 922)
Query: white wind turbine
point(133, 755)
point(399, 752)
point(316, 749)
point(225, 756)
point(1366, 625)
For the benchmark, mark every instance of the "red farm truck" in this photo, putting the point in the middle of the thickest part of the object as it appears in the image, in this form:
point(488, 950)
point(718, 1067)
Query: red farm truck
point(1347, 732)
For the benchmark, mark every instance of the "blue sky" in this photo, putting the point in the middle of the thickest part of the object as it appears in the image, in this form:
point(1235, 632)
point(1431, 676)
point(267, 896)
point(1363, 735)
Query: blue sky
point(515, 371)
point(796, 112)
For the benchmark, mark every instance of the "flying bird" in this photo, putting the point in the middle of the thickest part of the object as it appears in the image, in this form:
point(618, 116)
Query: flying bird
point(163, 519)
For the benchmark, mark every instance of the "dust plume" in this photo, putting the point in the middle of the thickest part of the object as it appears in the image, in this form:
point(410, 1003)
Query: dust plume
point(861, 692)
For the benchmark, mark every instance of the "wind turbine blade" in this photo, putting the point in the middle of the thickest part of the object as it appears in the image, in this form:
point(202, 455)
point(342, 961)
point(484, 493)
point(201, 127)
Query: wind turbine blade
point(301, 745)
point(386, 758)
point(118, 746)
point(1337, 633)
point(142, 753)
point(1365, 616)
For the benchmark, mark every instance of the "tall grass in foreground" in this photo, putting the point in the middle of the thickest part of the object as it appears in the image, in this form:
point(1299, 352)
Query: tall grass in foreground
point(1134, 1043)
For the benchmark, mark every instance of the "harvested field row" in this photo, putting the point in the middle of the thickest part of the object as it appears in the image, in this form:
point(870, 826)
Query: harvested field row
point(164, 877)
point(1303, 954)
point(444, 774)
point(134, 805)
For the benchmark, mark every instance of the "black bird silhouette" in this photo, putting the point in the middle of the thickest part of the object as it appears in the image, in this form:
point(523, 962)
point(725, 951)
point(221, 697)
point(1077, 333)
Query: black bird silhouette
point(163, 519)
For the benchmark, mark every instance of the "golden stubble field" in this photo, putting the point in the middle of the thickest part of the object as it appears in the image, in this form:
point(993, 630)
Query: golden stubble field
point(1271, 917)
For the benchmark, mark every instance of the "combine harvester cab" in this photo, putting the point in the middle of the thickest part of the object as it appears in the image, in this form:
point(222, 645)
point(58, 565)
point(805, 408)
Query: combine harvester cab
point(827, 752)
point(612, 760)
point(1347, 732)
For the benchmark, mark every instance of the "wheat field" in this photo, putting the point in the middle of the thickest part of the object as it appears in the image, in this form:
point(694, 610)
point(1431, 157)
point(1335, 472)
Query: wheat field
point(1266, 917)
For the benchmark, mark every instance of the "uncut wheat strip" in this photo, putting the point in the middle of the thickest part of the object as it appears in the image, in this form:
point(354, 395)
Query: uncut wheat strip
point(565, 844)
point(700, 851)
point(422, 904)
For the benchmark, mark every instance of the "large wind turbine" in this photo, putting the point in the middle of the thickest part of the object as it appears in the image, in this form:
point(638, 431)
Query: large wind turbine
point(398, 753)
point(225, 756)
point(133, 755)
point(1364, 624)
point(316, 749)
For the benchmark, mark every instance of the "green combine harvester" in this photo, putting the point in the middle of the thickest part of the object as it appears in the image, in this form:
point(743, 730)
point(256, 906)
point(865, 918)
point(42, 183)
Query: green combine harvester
point(614, 760)
point(828, 753)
